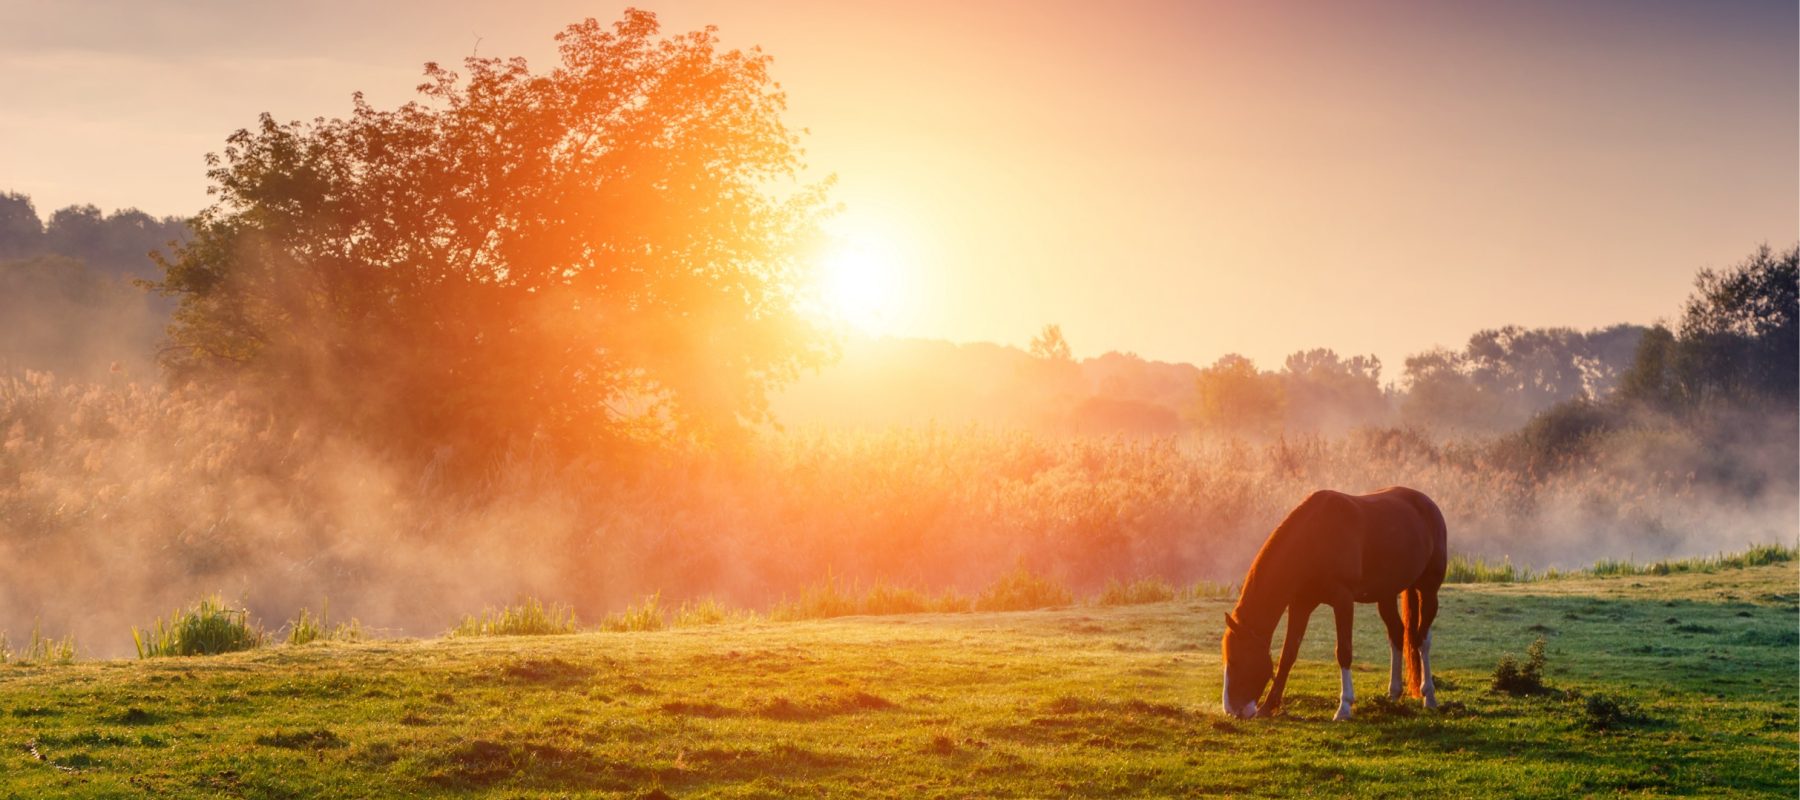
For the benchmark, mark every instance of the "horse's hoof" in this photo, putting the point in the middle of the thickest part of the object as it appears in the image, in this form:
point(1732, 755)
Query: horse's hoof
point(1343, 714)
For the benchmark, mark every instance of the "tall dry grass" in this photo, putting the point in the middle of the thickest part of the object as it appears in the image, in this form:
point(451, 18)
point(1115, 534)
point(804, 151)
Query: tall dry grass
point(147, 497)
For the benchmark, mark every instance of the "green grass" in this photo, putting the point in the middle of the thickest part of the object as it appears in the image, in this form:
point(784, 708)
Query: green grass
point(1676, 684)
point(208, 627)
point(528, 618)
point(39, 649)
point(1138, 592)
point(644, 616)
point(1474, 569)
point(306, 628)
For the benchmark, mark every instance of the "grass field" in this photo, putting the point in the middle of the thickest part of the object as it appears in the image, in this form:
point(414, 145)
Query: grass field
point(1681, 684)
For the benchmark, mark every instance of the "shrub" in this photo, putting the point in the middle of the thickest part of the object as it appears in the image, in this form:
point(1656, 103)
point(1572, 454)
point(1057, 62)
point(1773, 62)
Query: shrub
point(1020, 590)
point(645, 616)
point(308, 628)
point(1142, 590)
point(209, 627)
point(1511, 678)
point(1607, 712)
point(529, 618)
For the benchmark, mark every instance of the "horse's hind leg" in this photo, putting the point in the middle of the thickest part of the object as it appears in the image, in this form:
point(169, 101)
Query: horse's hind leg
point(1396, 633)
point(1428, 604)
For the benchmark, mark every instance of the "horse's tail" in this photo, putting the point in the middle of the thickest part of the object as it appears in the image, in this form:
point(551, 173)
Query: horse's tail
point(1412, 603)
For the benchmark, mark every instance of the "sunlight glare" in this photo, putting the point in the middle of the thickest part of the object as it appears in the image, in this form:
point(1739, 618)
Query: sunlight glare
point(861, 279)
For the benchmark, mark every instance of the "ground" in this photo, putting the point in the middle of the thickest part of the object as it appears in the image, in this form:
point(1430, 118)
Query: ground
point(1679, 684)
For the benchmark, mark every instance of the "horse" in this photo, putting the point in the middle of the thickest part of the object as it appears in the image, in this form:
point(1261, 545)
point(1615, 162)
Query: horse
point(1338, 550)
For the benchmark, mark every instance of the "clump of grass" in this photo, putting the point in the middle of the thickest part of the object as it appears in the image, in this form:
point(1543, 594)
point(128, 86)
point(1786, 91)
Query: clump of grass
point(1474, 569)
point(207, 628)
point(1755, 556)
point(1512, 678)
point(528, 618)
point(708, 611)
point(1138, 592)
point(645, 616)
point(307, 628)
point(1209, 590)
point(39, 649)
point(818, 601)
point(884, 599)
point(1020, 590)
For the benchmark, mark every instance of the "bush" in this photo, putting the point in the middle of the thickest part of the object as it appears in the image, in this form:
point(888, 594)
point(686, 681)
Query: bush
point(1020, 590)
point(1607, 712)
point(1511, 678)
point(207, 628)
point(1142, 590)
point(530, 618)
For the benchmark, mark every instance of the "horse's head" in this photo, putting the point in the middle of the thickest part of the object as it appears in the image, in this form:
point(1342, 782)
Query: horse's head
point(1247, 669)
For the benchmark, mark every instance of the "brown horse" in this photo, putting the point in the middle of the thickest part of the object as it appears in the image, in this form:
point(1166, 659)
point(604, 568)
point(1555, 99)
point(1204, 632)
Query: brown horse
point(1338, 550)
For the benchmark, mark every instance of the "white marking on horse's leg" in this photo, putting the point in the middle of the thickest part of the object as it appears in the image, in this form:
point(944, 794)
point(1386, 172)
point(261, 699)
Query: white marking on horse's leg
point(1427, 688)
point(1225, 697)
point(1346, 696)
point(1396, 671)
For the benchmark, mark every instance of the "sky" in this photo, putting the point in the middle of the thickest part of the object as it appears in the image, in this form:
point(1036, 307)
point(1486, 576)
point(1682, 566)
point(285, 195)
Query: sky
point(1179, 179)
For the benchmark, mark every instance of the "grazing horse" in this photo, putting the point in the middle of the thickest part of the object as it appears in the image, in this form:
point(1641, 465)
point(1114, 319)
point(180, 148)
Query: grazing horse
point(1338, 550)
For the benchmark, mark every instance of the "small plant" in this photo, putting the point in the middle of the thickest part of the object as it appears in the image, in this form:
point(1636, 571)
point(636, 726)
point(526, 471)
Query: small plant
point(1604, 712)
point(1511, 678)
point(529, 618)
point(1138, 592)
point(1020, 590)
point(308, 628)
point(209, 627)
point(646, 616)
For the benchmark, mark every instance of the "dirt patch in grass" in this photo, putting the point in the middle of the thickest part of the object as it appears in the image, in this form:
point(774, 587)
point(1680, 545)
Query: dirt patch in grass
point(316, 739)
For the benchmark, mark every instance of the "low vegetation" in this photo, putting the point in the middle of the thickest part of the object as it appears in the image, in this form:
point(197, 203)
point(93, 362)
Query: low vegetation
point(39, 649)
point(306, 628)
point(529, 618)
point(208, 627)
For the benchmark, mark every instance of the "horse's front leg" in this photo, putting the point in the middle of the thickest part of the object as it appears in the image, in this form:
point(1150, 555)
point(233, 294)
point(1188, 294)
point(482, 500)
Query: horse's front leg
point(1345, 610)
point(1290, 651)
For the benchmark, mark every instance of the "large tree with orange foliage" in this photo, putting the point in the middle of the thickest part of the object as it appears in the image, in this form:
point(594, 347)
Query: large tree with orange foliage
point(611, 249)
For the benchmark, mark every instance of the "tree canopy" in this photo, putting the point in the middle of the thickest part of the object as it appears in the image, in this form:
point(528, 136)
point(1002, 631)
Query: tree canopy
point(610, 249)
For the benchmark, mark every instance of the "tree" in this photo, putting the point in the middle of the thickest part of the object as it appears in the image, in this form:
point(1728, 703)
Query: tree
point(593, 253)
point(1328, 393)
point(1739, 331)
point(1235, 398)
point(1049, 345)
point(21, 233)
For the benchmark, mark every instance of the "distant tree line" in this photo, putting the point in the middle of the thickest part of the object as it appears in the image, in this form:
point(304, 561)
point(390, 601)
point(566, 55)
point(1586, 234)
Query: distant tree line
point(116, 244)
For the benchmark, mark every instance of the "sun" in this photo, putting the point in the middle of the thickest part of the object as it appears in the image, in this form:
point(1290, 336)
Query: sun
point(860, 279)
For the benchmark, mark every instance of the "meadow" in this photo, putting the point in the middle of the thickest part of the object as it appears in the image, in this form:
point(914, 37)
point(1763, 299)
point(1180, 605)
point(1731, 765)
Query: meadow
point(1680, 683)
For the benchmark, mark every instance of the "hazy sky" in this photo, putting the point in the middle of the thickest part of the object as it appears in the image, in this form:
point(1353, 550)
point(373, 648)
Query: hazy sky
point(1175, 179)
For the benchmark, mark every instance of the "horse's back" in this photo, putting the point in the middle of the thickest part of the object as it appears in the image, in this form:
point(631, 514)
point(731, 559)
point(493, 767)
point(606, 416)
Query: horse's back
point(1404, 541)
